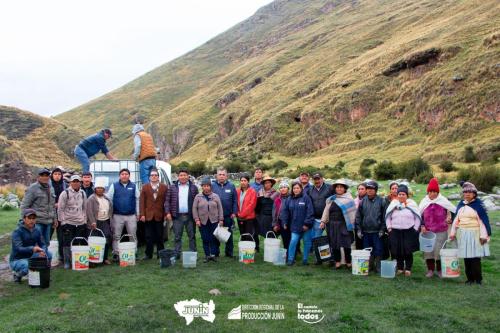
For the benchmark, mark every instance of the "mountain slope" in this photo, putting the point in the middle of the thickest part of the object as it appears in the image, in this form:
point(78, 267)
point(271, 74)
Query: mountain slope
point(324, 79)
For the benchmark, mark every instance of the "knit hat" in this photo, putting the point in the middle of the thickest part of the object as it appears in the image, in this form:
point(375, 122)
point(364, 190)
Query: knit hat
point(433, 186)
point(403, 188)
point(284, 184)
point(469, 187)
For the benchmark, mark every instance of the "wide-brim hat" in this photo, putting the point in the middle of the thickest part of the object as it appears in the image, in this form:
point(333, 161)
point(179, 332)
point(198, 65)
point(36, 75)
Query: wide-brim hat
point(269, 179)
point(340, 182)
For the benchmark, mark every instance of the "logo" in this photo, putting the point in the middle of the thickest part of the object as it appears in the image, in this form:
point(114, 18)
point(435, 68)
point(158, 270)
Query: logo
point(257, 312)
point(193, 308)
point(310, 314)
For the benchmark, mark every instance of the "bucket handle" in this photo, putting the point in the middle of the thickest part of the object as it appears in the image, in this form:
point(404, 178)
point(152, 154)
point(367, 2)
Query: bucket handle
point(272, 233)
point(369, 249)
point(129, 236)
point(102, 233)
point(248, 235)
point(445, 242)
point(79, 238)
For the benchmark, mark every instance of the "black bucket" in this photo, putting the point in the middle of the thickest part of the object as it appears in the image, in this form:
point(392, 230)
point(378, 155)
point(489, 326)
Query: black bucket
point(167, 258)
point(322, 250)
point(39, 272)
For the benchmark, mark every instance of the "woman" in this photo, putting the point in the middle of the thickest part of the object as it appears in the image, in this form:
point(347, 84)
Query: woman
point(436, 213)
point(340, 215)
point(247, 201)
point(207, 213)
point(286, 235)
point(393, 193)
point(59, 185)
point(471, 228)
point(403, 221)
point(297, 214)
point(361, 194)
point(99, 211)
point(265, 202)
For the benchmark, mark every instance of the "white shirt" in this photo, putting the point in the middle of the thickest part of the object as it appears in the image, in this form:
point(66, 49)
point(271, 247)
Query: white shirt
point(183, 198)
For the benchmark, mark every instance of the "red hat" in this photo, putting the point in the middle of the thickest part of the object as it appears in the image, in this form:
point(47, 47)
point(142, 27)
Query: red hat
point(433, 185)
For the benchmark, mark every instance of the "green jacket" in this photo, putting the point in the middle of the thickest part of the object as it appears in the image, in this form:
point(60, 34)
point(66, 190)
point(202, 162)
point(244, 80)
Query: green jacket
point(42, 200)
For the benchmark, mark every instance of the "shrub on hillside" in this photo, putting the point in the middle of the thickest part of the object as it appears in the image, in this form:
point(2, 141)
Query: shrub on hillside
point(447, 166)
point(411, 169)
point(469, 155)
point(484, 177)
point(385, 170)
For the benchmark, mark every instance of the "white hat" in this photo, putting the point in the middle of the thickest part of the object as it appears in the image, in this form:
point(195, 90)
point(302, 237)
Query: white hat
point(75, 177)
point(100, 182)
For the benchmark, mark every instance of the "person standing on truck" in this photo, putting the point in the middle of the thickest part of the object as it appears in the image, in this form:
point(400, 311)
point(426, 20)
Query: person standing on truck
point(124, 195)
point(144, 152)
point(90, 146)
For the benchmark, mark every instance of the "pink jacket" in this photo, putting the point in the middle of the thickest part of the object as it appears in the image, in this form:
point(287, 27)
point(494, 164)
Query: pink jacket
point(434, 218)
point(402, 219)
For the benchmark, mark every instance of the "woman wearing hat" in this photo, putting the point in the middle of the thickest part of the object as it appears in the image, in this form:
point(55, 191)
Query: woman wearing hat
point(284, 190)
point(208, 213)
point(403, 222)
point(99, 211)
point(340, 215)
point(471, 228)
point(297, 214)
point(265, 202)
point(436, 213)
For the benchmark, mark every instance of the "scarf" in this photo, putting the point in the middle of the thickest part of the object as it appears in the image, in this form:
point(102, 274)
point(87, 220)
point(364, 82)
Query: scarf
point(440, 200)
point(478, 206)
point(409, 204)
point(346, 205)
point(272, 193)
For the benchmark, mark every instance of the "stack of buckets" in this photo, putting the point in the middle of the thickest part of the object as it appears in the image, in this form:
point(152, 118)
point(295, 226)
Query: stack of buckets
point(361, 261)
point(271, 247)
point(126, 252)
point(246, 250)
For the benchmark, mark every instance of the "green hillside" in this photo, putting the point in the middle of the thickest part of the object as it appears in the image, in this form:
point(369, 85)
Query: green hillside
point(321, 81)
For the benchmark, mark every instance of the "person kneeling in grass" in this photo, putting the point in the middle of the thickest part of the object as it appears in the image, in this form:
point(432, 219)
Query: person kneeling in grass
point(297, 213)
point(27, 242)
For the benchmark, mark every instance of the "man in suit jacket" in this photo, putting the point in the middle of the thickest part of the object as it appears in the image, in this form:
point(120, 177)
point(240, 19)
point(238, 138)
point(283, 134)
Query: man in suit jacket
point(179, 207)
point(152, 212)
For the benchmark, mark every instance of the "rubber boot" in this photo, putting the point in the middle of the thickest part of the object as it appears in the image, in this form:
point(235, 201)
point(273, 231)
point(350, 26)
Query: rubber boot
point(377, 264)
point(371, 264)
point(67, 257)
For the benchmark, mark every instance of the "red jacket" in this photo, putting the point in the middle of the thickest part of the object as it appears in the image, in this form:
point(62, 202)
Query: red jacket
point(247, 212)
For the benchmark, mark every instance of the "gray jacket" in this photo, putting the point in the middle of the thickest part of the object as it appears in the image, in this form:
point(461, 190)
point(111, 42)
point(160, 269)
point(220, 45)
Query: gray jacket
point(370, 217)
point(71, 207)
point(42, 199)
point(207, 210)
point(92, 209)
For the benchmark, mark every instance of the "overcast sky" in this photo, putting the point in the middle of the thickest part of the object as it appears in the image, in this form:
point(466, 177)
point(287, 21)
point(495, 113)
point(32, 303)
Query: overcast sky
point(58, 54)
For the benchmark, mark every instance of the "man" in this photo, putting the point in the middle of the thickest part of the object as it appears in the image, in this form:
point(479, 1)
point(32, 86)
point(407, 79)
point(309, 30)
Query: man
point(319, 192)
point(152, 212)
point(179, 207)
point(370, 222)
point(99, 211)
point(40, 196)
point(58, 185)
point(125, 198)
point(91, 145)
point(71, 212)
point(257, 183)
point(304, 180)
point(27, 242)
point(87, 185)
point(229, 199)
point(144, 152)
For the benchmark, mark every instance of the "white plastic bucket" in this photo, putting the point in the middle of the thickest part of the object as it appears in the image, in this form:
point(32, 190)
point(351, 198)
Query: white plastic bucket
point(54, 250)
point(280, 258)
point(246, 250)
point(96, 247)
point(427, 241)
point(388, 269)
point(450, 267)
point(360, 261)
point(271, 247)
point(126, 252)
point(222, 234)
point(79, 256)
point(189, 259)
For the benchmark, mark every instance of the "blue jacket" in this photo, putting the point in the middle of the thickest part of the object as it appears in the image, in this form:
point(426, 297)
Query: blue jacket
point(256, 186)
point(23, 241)
point(228, 197)
point(297, 212)
point(124, 199)
point(93, 144)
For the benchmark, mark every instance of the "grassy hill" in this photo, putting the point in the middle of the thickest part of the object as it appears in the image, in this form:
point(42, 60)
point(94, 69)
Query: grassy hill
point(33, 140)
point(313, 82)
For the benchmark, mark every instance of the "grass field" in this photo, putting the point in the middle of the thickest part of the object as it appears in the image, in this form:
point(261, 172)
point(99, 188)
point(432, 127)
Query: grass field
point(141, 298)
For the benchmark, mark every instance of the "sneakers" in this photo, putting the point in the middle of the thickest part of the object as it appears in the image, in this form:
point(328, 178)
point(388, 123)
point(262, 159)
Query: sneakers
point(429, 274)
point(17, 278)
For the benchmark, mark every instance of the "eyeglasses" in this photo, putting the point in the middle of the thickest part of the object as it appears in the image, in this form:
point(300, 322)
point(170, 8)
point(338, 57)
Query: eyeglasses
point(153, 175)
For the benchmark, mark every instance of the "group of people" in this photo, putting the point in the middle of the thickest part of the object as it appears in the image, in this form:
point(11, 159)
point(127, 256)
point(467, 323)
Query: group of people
point(298, 211)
